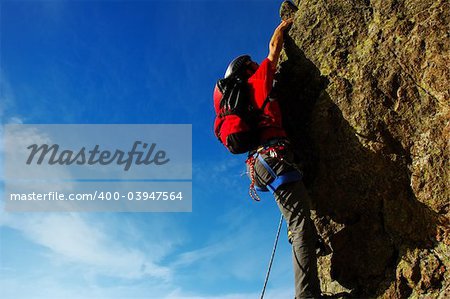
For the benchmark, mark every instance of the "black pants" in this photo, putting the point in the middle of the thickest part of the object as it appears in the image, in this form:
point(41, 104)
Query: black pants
point(293, 201)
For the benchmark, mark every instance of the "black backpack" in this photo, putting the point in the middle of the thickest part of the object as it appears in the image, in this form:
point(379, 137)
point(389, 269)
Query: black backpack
point(236, 123)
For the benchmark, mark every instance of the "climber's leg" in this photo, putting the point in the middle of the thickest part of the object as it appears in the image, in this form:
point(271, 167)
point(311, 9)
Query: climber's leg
point(293, 201)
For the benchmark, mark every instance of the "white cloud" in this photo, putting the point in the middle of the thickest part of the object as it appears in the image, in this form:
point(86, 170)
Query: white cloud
point(78, 240)
point(200, 255)
point(90, 246)
point(16, 140)
point(15, 120)
point(13, 149)
point(46, 288)
point(7, 100)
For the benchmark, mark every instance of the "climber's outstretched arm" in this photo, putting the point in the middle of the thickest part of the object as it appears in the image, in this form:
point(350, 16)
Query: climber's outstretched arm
point(276, 42)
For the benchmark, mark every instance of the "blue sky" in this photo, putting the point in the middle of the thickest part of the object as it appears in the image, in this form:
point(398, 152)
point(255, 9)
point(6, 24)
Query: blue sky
point(137, 62)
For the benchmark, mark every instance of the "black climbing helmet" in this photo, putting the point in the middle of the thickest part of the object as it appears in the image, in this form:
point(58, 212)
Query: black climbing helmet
point(237, 65)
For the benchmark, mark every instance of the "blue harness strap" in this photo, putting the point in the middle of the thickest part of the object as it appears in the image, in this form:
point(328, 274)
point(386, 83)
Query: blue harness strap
point(288, 177)
point(266, 166)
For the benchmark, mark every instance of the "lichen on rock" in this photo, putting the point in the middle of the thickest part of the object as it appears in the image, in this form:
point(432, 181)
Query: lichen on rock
point(364, 85)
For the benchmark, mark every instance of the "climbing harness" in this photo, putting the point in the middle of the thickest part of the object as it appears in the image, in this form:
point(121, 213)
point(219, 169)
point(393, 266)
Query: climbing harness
point(279, 180)
point(273, 150)
point(272, 257)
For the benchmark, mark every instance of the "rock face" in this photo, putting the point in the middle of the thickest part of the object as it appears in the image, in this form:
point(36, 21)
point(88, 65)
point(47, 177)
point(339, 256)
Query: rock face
point(365, 89)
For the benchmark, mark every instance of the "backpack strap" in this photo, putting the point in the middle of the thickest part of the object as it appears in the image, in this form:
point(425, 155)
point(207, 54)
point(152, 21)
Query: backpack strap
point(266, 101)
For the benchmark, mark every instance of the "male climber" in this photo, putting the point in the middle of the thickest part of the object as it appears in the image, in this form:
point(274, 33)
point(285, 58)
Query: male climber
point(271, 166)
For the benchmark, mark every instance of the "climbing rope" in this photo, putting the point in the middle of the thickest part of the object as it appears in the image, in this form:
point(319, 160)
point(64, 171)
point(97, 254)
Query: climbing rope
point(271, 258)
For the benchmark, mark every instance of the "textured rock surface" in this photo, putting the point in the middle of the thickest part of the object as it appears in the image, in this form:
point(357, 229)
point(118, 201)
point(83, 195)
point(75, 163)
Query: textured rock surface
point(369, 81)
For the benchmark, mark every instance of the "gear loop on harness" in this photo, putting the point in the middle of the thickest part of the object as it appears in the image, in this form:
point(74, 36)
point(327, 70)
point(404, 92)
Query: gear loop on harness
point(252, 191)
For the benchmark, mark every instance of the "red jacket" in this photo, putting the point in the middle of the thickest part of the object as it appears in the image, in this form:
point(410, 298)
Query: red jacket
point(260, 86)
